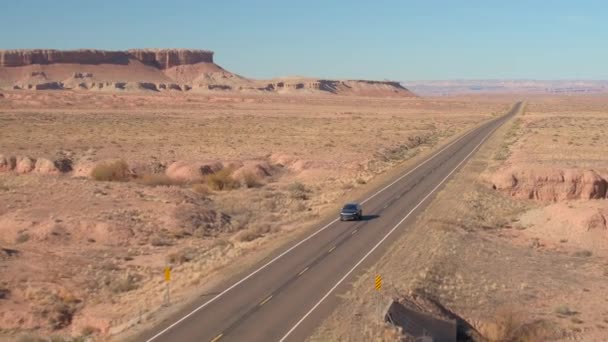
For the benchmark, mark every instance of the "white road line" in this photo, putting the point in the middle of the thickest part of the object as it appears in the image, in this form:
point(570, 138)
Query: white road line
point(299, 243)
point(384, 238)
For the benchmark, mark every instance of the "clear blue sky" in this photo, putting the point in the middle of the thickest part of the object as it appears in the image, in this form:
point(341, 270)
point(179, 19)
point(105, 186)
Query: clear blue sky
point(400, 40)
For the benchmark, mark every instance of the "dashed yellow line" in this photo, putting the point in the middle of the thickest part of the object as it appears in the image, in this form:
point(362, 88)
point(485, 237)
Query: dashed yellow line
point(302, 271)
point(217, 338)
point(354, 232)
point(265, 300)
point(331, 249)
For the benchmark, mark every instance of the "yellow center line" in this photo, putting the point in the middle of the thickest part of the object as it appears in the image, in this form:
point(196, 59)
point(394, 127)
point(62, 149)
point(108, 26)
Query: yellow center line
point(331, 249)
point(265, 300)
point(217, 338)
point(302, 271)
point(354, 232)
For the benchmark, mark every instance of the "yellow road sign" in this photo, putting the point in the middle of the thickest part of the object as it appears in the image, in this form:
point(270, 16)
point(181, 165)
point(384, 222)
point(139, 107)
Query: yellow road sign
point(378, 283)
point(167, 273)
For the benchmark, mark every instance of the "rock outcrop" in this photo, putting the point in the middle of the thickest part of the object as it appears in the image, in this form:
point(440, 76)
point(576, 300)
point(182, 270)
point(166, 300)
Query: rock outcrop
point(342, 87)
point(45, 166)
point(183, 171)
point(161, 58)
point(549, 184)
point(25, 164)
point(167, 58)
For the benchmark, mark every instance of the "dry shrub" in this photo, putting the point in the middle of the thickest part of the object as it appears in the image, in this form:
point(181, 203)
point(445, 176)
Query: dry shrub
point(4, 293)
point(88, 330)
point(125, 283)
point(116, 171)
point(251, 180)
point(60, 315)
point(509, 325)
point(222, 180)
point(201, 189)
point(583, 254)
point(22, 237)
point(180, 257)
point(157, 179)
point(298, 190)
point(564, 311)
point(160, 241)
point(255, 232)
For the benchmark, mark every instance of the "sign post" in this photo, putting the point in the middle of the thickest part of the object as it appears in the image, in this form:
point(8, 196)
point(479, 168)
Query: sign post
point(378, 287)
point(167, 300)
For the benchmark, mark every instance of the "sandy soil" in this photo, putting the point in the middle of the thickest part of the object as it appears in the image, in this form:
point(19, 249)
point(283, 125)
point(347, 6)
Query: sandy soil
point(525, 268)
point(83, 256)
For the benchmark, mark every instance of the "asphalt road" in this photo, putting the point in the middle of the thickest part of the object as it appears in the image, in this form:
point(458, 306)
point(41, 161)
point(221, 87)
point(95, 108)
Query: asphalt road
point(286, 296)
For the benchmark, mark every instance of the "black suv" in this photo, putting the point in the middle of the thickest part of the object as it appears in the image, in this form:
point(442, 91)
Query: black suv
point(351, 211)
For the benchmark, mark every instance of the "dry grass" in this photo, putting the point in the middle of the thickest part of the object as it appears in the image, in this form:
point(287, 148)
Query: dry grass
point(180, 257)
point(510, 138)
point(124, 283)
point(255, 231)
point(116, 171)
point(202, 189)
point(510, 325)
point(157, 179)
point(565, 131)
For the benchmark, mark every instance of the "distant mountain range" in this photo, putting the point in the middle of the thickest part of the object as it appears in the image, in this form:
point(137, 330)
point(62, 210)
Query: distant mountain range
point(455, 87)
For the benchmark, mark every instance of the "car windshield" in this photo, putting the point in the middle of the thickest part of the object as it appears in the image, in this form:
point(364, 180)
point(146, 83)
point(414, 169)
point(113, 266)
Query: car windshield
point(350, 207)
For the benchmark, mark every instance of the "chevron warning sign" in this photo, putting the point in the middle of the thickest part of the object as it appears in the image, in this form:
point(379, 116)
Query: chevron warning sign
point(167, 274)
point(378, 283)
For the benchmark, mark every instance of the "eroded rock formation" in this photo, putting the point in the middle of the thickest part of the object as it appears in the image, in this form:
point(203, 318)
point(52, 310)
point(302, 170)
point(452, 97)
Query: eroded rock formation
point(550, 184)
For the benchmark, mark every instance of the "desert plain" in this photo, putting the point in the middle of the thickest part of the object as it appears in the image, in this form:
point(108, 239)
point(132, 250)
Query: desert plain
point(107, 189)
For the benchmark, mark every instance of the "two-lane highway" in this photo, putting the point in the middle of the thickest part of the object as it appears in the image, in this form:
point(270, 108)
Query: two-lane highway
point(284, 298)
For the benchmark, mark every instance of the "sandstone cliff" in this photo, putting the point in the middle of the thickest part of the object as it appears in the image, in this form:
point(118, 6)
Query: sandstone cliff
point(160, 58)
point(167, 58)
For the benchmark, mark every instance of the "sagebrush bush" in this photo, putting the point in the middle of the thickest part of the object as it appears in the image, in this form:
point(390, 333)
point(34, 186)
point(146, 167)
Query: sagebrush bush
point(298, 191)
point(111, 172)
point(222, 180)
